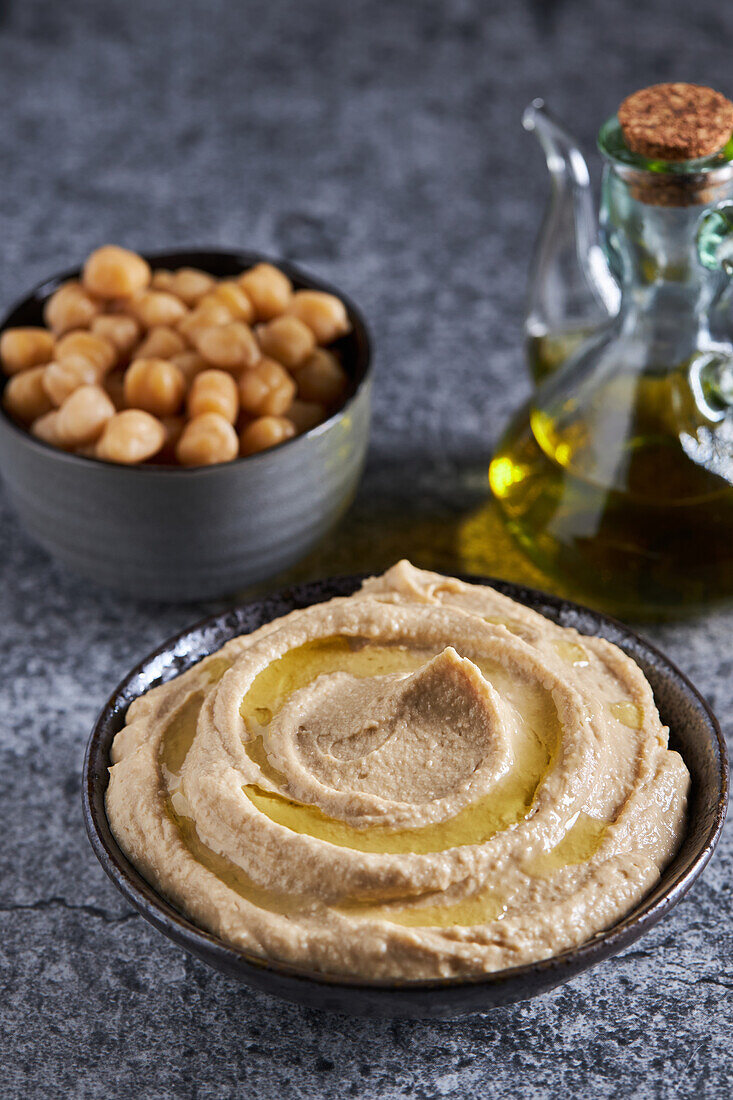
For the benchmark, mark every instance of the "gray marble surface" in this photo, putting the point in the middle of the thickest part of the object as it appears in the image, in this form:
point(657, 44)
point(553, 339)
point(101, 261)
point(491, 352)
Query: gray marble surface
point(378, 144)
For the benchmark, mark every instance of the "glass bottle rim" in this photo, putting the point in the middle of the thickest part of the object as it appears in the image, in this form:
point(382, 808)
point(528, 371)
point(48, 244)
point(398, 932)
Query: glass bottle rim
point(613, 147)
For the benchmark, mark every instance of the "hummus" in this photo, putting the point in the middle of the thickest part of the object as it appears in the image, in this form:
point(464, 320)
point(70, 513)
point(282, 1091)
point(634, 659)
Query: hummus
point(420, 780)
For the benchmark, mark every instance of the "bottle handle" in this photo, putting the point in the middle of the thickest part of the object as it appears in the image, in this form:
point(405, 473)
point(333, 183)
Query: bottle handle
point(715, 238)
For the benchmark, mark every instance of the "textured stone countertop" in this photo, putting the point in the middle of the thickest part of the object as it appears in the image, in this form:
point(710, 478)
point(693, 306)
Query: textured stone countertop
point(379, 145)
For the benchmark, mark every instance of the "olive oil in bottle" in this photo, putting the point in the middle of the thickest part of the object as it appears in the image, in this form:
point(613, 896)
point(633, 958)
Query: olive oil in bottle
point(614, 500)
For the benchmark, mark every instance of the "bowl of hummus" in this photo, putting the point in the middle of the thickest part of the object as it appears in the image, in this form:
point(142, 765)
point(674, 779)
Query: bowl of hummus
point(408, 794)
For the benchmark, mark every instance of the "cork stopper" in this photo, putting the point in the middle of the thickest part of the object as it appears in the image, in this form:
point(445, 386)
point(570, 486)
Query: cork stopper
point(676, 121)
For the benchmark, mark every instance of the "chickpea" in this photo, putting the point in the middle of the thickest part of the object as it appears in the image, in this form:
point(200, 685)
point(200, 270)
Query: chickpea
point(231, 346)
point(190, 285)
point(161, 343)
point(306, 414)
point(121, 331)
point(230, 294)
point(114, 272)
point(21, 348)
point(324, 314)
point(83, 416)
point(190, 363)
point(162, 279)
point(46, 428)
point(266, 389)
point(157, 307)
point(130, 437)
point(98, 351)
point(266, 431)
point(154, 385)
point(187, 283)
point(322, 378)
point(268, 289)
point(62, 378)
point(214, 391)
point(286, 339)
point(207, 440)
point(214, 312)
point(69, 307)
point(24, 396)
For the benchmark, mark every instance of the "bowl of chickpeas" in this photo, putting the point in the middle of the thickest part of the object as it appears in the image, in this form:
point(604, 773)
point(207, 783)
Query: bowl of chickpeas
point(182, 425)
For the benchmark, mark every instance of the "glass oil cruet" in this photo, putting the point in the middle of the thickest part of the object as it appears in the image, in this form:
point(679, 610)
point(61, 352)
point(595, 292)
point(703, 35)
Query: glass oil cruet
point(617, 477)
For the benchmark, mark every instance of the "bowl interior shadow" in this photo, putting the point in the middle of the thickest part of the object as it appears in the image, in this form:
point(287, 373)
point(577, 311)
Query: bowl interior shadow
point(694, 732)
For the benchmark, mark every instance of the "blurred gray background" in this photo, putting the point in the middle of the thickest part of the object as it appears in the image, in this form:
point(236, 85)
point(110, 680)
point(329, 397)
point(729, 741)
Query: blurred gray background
point(379, 145)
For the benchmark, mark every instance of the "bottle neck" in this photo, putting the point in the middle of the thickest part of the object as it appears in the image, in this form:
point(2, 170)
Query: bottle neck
point(666, 293)
point(672, 320)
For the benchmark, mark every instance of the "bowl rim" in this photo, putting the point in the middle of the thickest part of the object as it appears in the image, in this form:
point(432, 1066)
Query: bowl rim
point(363, 361)
point(172, 923)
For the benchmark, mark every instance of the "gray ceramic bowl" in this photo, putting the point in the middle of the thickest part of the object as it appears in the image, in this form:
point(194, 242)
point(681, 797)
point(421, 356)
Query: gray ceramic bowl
point(693, 731)
point(184, 534)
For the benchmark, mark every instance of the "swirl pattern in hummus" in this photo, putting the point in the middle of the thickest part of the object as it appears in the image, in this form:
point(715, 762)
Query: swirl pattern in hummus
point(420, 780)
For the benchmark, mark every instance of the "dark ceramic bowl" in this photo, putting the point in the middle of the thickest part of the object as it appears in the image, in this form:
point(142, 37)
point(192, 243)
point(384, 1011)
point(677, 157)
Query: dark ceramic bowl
point(169, 533)
point(694, 732)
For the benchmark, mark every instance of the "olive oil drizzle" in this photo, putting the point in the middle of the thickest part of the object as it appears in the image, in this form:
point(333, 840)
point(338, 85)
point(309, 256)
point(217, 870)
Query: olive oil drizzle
point(484, 906)
point(505, 806)
point(580, 843)
point(177, 740)
point(232, 875)
point(179, 735)
point(300, 666)
point(628, 713)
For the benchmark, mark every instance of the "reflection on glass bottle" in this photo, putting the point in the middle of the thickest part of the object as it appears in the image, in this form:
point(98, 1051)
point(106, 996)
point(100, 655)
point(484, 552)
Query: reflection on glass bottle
point(547, 352)
point(618, 476)
point(571, 290)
